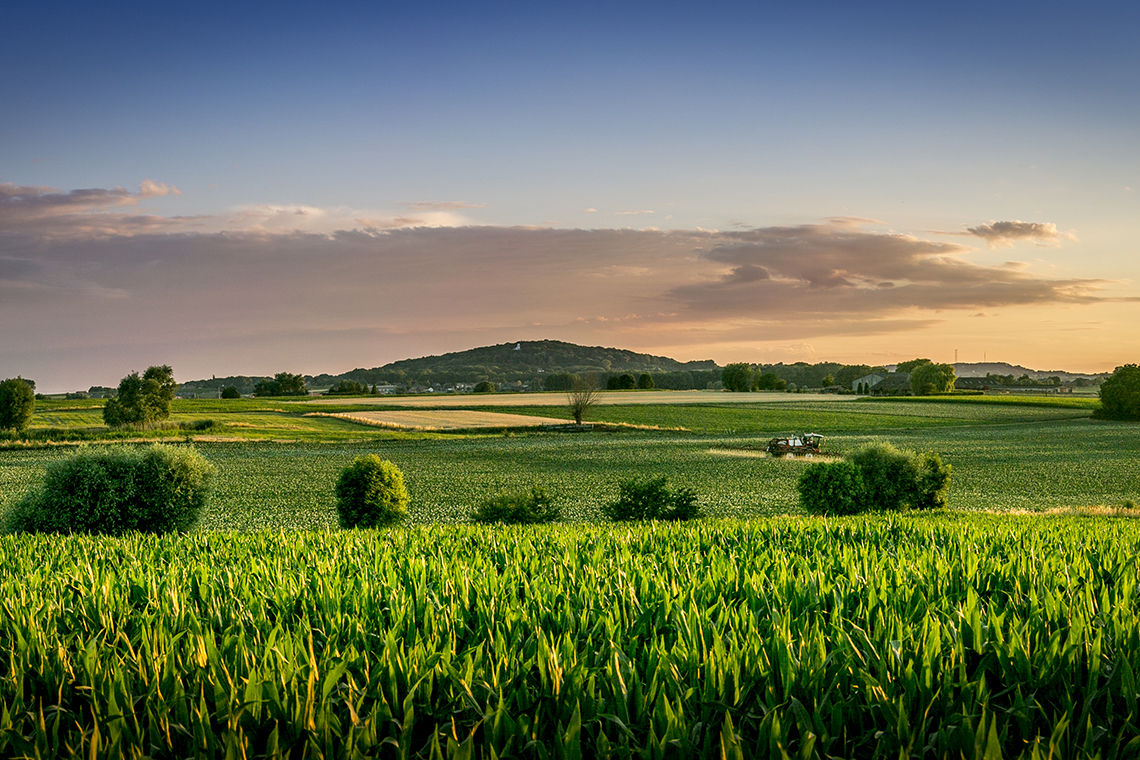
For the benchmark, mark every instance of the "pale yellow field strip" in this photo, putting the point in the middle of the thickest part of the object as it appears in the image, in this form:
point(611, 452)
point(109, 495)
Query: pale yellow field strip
point(451, 419)
point(559, 399)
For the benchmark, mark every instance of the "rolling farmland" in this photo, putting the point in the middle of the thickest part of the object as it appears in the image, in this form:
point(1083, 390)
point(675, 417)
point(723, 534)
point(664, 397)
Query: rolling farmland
point(270, 632)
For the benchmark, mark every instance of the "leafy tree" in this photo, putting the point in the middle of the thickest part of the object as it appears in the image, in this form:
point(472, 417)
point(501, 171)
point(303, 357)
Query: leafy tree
point(1120, 395)
point(484, 386)
point(116, 489)
point(518, 509)
point(370, 493)
point(142, 400)
point(828, 381)
point(737, 377)
point(770, 381)
point(651, 500)
point(626, 382)
point(645, 381)
point(582, 398)
point(230, 392)
point(928, 378)
point(17, 404)
point(282, 384)
point(909, 366)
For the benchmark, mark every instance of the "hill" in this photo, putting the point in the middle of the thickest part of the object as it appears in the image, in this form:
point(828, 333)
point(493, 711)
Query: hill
point(520, 363)
point(527, 365)
point(981, 369)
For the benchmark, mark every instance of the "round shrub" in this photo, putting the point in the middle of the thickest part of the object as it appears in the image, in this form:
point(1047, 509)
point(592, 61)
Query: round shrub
point(518, 509)
point(832, 488)
point(370, 493)
point(484, 386)
point(17, 404)
point(116, 489)
point(651, 500)
point(877, 477)
point(889, 476)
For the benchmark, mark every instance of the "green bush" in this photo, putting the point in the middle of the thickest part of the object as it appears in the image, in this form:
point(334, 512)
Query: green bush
point(484, 386)
point(116, 489)
point(889, 475)
point(518, 509)
point(230, 392)
point(197, 425)
point(651, 500)
point(877, 477)
point(832, 488)
point(370, 493)
point(17, 404)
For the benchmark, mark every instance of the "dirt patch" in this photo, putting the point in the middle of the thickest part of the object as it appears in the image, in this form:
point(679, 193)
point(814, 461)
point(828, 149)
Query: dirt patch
point(442, 419)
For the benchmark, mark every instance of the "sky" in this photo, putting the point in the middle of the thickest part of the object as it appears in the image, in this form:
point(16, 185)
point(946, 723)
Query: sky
point(250, 188)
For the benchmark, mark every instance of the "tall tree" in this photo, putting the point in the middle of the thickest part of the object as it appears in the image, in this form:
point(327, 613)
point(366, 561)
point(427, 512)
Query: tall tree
point(582, 398)
point(930, 378)
point(737, 377)
point(1120, 394)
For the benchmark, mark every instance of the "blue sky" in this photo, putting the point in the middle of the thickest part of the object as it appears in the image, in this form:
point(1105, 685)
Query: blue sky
point(444, 134)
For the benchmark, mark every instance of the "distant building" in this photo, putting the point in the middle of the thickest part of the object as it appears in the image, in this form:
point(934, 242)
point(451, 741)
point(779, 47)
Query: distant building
point(870, 380)
point(894, 384)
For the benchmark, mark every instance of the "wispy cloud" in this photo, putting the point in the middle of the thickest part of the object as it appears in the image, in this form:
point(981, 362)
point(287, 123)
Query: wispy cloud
point(440, 205)
point(632, 212)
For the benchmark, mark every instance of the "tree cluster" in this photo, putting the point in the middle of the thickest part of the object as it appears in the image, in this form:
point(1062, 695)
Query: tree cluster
point(928, 378)
point(1120, 395)
point(343, 388)
point(282, 384)
point(741, 377)
point(142, 400)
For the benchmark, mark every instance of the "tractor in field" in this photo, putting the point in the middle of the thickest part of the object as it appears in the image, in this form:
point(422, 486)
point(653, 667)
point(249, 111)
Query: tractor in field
point(806, 445)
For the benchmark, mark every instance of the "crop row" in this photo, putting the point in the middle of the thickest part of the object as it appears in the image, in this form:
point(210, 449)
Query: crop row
point(852, 638)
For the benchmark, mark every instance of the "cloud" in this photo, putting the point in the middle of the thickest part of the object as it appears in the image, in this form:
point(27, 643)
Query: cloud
point(632, 213)
point(439, 205)
point(48, 212)
point(998, 234)
point(840, 270)
point(86, 268)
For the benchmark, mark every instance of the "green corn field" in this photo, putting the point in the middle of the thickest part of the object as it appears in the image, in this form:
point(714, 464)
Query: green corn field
point(973, 636)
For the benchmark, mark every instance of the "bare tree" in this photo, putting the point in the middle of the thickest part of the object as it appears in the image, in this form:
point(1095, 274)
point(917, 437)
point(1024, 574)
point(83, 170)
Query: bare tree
point(582, 397)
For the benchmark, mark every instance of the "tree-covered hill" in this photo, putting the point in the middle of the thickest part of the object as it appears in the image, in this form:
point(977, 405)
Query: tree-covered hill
point(521, 362)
